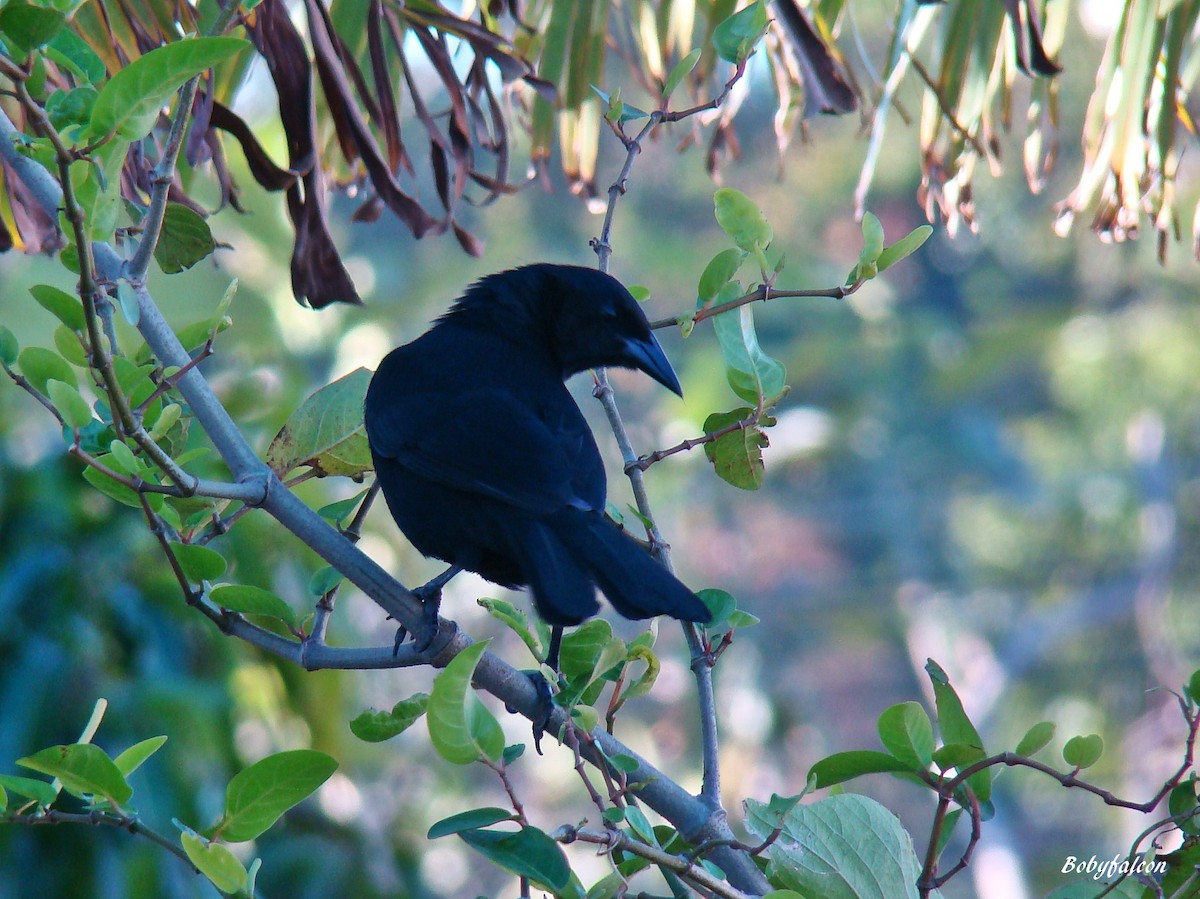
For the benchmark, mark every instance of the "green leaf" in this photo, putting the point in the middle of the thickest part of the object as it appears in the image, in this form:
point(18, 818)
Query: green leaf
point(741, 219)
point(905, 246)
point(736, 456)
point(9, 347)
point(720, 270)
point(742, 618)
point(259, 795)
point(128, 301)
point(469, 820)
point(681, 70)
point(38, 790)
point(374, 726)
point(515, 620)
point(71, 108)
point(720, 603)
point(133, 757)
point(957, 755)
point(907, 733)
point(1036, 738)
point(843, 766)
point(185, 239)
point(26, 27)
point(753, 375)
point(582, 647)
point(461, 729)
point(955, 726)
point(1192, 687)
point(216, 862)
point(40, 365)
point(218, 318)
point(637, 652)
point(326, 432)
point(324, 580)
point(166, 420)
point(341, 510)
point(734, 39)
point(639, 292)
point(585, 717)
point(842, 847)
point(67, 308)
point(1083, 752)
point(70, 405)
point(199, 563)
point(69, 346)
point(872, 246)
point(638, 822)
point(250, 600)
point(72, 52)
point(83, 769)
point(130, 102)
point(114, 490)
point(526, 853)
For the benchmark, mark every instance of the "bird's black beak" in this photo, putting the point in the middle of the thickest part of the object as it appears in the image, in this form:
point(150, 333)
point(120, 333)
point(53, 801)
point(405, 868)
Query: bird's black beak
point(647, 355)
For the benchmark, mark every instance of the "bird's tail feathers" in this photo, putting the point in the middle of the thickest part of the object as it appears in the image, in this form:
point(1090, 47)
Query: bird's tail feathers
point(562, 590)
point(635, 584)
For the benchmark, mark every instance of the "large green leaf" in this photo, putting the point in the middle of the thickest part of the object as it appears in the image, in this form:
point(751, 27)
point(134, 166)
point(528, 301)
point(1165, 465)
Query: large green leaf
point(754, 376)
point(843, 847)
point(326, 432)
point(906, 732)
point(527, 853)
point(216, 862)
point(130, 102)
point(737, 455)
point(735, 38)
point(461, 729)
point(956, 727)
point(185, 239)
point(83, 768)
point(250, 600)
point(843, 766)
point(25, 26)
point(257, 796)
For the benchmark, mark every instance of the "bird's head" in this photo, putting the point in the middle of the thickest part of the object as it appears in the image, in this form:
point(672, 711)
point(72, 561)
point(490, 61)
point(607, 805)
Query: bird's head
point(580, 317)
point(592, 321)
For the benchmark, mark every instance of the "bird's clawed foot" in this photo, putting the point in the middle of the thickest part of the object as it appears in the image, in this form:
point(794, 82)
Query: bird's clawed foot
point(545, 707)
point(430, 595)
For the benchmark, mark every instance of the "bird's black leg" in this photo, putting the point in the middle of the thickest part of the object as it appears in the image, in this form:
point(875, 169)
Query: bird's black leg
point(430, 594)
point(556, 634)
point(545, 694)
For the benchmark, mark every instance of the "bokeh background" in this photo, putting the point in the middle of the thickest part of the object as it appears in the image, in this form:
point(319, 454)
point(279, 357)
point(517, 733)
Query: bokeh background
point(990, 456)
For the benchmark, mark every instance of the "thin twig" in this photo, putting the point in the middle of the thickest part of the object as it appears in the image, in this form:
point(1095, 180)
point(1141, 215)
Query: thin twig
point(966, 135)
point(751, 420)
point(602, 245)
point(616, 840)
point(101, 819)
point(760, 293)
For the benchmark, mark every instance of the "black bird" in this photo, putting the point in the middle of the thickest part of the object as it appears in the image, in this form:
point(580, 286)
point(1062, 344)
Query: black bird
point(486, 461)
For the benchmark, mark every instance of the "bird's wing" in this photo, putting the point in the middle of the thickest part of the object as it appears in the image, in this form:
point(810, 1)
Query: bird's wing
point(489, 442)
